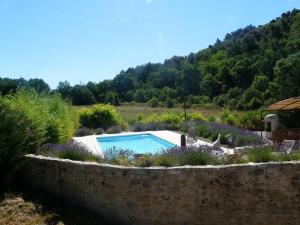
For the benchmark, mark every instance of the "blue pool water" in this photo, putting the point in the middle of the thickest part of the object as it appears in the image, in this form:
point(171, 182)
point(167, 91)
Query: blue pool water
point(139, 143)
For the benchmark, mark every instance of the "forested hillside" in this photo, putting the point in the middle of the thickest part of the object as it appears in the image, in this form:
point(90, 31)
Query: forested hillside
point(251, 67)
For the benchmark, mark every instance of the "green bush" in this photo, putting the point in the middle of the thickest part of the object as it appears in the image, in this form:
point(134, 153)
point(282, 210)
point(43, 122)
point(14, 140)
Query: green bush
point(153, 102)
point(260, 155)
point(165, 160)
point(211, 119)
point(295, 155)
point(173, 120)
point(196, 116)
point(27, 121)
point(144, 161)
point(112, 97)
point(103, 116)
point(169, 103)
point(250, 120)
point(196, 157)
point(227, 117)
point(202, 131)
point(114, 130)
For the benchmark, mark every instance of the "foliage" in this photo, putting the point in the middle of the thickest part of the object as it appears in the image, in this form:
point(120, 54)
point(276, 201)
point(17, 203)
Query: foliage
point(195, 157)
point(118, 156)
point(169, 103)
point(196, 116)
point(114, 130)
point(99, 131)
point(81, 95)
point(250, 68)
point(260, 155)
point(227, 117)
point(153, 102)
point(173, 120)
point(103, 116)
point(83, 131)
point(70, 150)
point(153, 126)
point(112, 98)
point(146, 160)
point(211, 119)
point(250, 120)
point(229, 135)
point(29, 120)
point(165, 160)
point(8, 85)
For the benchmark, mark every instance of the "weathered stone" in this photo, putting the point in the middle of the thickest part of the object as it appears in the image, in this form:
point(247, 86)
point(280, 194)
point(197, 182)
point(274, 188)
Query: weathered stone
point(247, 194)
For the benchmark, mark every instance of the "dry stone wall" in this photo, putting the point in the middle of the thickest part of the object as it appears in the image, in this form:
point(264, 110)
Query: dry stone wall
point(238, 194)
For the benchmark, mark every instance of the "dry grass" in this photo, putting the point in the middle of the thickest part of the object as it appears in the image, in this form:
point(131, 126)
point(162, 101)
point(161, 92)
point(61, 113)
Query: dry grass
point(42, 209)
point(14, 210)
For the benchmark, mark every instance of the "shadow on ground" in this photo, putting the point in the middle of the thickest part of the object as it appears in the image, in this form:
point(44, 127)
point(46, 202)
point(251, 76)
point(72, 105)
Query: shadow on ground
point(25, 206)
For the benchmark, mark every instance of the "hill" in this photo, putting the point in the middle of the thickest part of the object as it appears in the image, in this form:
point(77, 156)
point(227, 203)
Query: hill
point(251, 67)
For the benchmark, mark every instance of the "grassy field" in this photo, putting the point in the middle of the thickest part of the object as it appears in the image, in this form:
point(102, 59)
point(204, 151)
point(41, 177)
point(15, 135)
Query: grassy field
point(130, 111)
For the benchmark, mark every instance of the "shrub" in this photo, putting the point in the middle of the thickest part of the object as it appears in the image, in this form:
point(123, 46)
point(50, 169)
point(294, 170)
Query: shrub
point(71, 150)
point(150, 126)
point(84, 132)
point(165, 160)
point(139, 117)
point(294, 155)
point(191, 155)
point(169, 103)
point(211, 119)
point(118, 156)
point(195, 157)
point(114, 130)
point(260, 155)
point(196, 116)
point(173, 120)
point(99, 131)
point(153, 102)
point(27, 121)
point(144, 161)
point(227, 117)
point(202, 131)
point(250, 120)
point(230, 135)
point(112, 97)
point(100, 115)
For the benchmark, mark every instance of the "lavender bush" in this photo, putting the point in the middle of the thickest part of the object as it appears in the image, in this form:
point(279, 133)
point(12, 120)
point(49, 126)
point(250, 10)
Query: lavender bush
point(71, 150)
point(150, 126)
point(230, 135)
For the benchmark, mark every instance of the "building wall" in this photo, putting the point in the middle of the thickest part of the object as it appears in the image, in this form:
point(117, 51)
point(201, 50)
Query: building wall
point(238, 194)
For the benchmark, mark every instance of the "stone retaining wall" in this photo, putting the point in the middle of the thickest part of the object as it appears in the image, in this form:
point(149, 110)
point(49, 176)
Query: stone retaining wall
point(239, 194)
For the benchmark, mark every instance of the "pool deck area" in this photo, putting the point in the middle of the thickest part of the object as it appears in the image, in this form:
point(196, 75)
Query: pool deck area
point(173, 137)
point(91, 141)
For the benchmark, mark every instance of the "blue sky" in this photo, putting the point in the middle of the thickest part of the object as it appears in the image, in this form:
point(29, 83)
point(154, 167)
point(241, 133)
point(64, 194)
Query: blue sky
point(93, 40)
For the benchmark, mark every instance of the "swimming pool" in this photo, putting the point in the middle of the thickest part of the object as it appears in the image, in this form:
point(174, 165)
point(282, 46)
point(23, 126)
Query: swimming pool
point(139, 143)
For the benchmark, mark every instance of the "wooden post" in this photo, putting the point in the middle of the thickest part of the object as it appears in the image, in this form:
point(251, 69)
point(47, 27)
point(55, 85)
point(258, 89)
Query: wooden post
point(261, 125)
point(183, 140)
point(184, 106)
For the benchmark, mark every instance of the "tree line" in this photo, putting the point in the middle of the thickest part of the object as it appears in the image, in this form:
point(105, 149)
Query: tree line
point(250, 68)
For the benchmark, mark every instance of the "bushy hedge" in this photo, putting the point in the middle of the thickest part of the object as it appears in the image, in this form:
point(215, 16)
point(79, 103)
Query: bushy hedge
point(173, 157)
point(70, 150)
point(99, 116)
point(250, 120)
point(173, 120)
point(27, 121)
point(169, 120)
point(229, 135)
